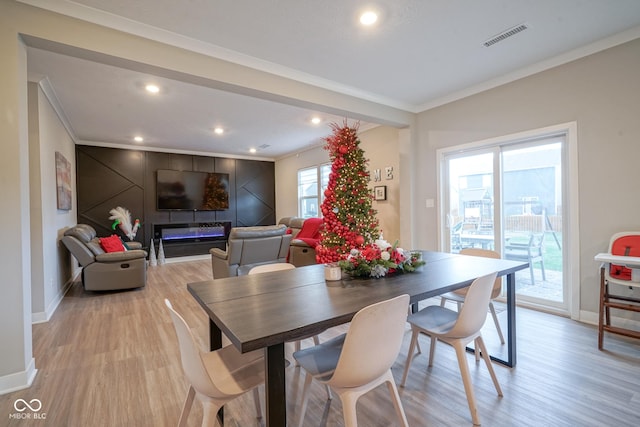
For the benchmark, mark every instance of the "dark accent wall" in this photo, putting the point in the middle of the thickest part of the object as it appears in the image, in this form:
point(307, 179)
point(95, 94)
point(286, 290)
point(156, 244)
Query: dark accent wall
point(111, 177)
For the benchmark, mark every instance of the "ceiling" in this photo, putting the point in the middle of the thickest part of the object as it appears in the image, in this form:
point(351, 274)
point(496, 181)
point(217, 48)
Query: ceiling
point(418, 55)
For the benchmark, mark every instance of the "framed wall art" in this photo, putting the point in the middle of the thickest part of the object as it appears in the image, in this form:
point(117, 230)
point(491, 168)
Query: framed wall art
point(380, 192)
point(63, 182)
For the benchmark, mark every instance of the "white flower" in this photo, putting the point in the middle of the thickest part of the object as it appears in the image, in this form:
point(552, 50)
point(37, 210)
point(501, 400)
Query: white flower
point(385, 256)
point(355, 252)
point(378, 271)
point(382, 244)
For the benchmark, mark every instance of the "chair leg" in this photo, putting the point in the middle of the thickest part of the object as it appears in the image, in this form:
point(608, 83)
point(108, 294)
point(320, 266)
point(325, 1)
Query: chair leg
point(466, 380)
point(395, 398)
point(305, 398)
point(256, 401)
point(298, 346)
point(495, 320)
point(601, 312)
point(544, 278)
point(432, 350)
point(349, 401)
point(412, 346)
point(210, 413)
point(410, 312)
point(487, 361)
point(533, 279)
point(443, 301)
point(186, 407)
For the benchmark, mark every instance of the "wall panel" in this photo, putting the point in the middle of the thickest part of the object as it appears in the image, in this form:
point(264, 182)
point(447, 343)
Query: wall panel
point(110, 177)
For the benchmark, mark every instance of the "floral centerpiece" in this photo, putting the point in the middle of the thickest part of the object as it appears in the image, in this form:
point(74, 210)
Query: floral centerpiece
point(379, 259)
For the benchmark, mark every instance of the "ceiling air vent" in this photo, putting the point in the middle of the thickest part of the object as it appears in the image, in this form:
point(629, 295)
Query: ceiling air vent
point(505, 34)
point(263, 146)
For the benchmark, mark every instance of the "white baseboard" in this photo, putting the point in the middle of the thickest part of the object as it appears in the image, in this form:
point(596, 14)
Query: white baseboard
point(19, 380)
point(44, 316)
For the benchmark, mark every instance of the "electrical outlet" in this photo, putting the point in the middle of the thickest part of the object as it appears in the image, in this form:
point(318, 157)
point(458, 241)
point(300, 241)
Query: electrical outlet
point(430, 203)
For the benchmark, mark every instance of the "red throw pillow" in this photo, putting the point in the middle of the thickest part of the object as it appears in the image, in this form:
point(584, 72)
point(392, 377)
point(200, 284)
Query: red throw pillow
point(111, 244)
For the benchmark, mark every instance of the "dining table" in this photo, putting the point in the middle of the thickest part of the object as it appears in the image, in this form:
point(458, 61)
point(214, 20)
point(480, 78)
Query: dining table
point(264, 311)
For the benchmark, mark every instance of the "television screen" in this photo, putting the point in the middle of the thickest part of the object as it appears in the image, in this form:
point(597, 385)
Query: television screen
point(187, 190)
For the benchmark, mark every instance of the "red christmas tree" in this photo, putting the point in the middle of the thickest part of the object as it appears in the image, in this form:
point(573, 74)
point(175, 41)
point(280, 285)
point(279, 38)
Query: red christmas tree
point(349, 219)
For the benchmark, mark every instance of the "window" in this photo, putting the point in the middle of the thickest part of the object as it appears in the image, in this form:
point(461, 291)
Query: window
point(311, 185)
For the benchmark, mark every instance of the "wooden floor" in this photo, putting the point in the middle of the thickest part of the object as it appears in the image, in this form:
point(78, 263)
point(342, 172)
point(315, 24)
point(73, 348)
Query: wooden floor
point(112, 359)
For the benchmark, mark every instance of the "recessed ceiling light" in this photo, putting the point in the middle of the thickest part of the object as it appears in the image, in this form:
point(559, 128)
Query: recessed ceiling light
point(315, 120)
point(138, 139)
point(152, 88)
point(368, 18)
point(252, 150)
point(218, 130)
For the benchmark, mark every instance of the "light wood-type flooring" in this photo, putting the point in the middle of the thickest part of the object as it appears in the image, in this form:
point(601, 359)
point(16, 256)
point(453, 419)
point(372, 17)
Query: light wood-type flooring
point(112, 359)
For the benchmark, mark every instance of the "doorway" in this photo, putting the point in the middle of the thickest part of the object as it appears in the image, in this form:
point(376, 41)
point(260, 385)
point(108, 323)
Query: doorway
point(510, 195)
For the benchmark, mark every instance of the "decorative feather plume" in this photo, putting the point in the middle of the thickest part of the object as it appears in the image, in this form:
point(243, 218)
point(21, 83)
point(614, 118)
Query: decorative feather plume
point(122, 218)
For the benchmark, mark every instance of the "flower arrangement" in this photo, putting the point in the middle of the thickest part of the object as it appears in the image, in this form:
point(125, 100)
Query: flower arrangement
point(379, 259)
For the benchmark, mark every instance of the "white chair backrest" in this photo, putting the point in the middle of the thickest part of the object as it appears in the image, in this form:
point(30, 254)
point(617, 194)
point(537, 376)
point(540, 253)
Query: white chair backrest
point(486, 253)
point(276, 266)
point(372, 343)
point(473, 312)
point(190, 356)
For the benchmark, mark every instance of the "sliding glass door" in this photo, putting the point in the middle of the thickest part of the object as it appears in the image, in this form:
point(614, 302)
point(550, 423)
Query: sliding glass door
point(508, 197)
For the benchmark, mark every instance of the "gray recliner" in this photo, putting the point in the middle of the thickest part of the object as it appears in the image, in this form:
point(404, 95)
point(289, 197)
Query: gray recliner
point(103, 271)
point(300, 252)
point(248, 247)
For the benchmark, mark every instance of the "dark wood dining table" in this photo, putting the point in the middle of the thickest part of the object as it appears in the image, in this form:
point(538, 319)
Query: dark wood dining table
point(266, 310)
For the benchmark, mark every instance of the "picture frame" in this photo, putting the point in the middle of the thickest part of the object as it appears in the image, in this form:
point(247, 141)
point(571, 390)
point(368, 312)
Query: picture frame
point(63, 182)
point(380, 192)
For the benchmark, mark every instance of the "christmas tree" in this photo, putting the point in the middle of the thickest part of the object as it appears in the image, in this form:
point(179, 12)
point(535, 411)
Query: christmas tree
point(215, 195)
point(350, 222)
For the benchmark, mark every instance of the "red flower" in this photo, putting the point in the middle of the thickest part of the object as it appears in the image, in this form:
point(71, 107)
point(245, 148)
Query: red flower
point(397, 257)
point(370, 253)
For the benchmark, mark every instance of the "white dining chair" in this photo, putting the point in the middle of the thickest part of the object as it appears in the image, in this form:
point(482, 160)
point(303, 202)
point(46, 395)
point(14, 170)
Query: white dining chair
point(457, 329)
point(355, 363)
point(215, 377)
point(459, 295)
point(275, 266)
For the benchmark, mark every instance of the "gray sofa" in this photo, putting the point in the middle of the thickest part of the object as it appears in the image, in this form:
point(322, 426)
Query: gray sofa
point(248, 247)
point(103, 271)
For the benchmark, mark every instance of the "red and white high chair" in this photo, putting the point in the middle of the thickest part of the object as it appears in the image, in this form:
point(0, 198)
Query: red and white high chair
point(620, 267)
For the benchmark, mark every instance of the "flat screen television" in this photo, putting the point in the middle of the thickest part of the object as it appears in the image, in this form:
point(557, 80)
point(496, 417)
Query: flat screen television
point(192, 191)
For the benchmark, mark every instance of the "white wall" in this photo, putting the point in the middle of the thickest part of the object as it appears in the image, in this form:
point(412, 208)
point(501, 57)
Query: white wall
point(17, 366)
point(51, 266)
point(601, 93)
point(286, 176)
point(380, 146)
